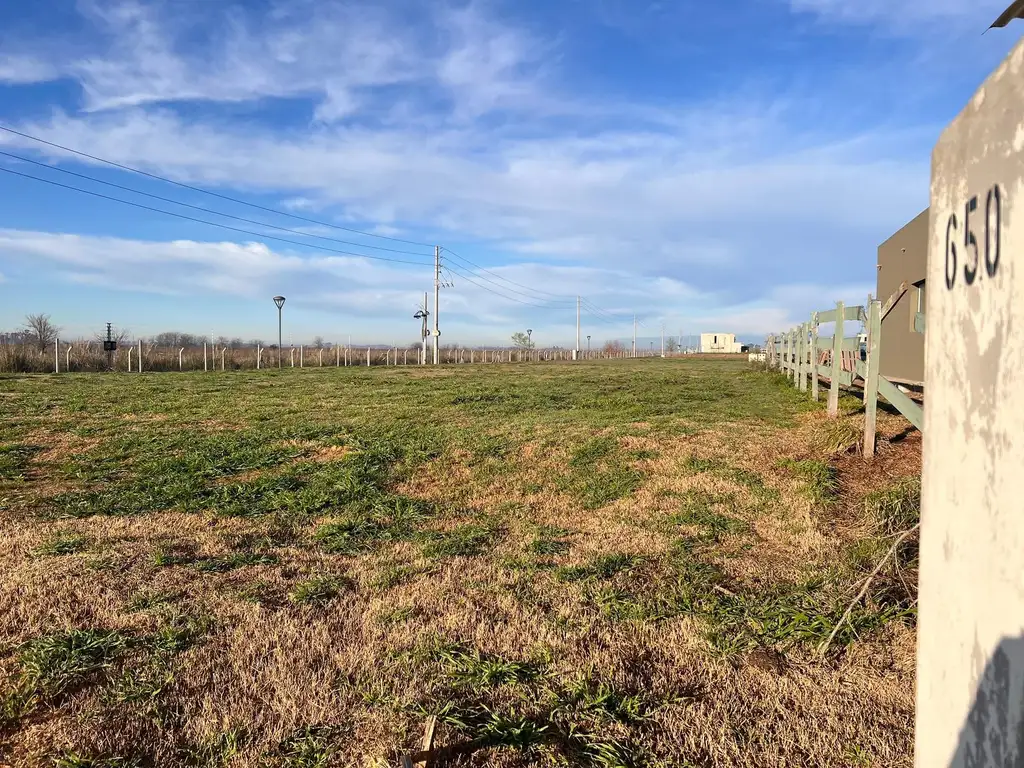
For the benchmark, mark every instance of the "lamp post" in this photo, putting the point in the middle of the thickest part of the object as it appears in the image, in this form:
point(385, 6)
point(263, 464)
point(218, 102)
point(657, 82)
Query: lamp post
point(422, 315)
point(529, 343)
point(279, 301)
point(588, 345)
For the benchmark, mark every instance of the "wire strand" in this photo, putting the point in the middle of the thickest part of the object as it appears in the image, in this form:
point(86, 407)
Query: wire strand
point(465, 275)
point(511, 290)
point(194, 188)
point(513, 282)
point(258, 223)
point(210, 223)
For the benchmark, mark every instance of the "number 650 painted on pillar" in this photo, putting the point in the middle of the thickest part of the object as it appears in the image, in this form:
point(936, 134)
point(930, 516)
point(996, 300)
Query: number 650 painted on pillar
point(993, 238)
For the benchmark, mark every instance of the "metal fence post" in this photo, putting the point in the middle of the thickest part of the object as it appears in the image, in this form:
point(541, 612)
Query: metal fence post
point(871, 383)
point(837, 360)
point(814, 356)
point(367, 357)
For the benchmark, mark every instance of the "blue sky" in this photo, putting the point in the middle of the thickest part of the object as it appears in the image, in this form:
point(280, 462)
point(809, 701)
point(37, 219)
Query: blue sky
point(710, 166)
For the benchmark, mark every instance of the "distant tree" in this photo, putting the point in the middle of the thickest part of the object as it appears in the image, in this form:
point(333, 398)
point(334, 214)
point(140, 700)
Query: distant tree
point(41, 330)
point(236, 343)
point(671, 345)
point(521, 340)
point(257, 343)
point(318, 342)
point(614, 347)
point(223, 341)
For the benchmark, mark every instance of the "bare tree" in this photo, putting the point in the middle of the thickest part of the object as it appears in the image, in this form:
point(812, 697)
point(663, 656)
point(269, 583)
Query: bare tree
point(41, 330)
point(120, 335)
point(318, 342)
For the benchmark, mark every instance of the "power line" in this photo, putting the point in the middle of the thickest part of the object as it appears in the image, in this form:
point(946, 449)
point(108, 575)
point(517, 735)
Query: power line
point(210, 223)
point(207, 191)
point(207, 210)
point(513, 282)
point(511, 290)
point(597, 311)
point(601, 319)
point(465, 275)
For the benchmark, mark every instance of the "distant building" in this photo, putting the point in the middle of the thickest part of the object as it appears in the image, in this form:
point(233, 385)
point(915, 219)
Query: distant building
point(720, 343)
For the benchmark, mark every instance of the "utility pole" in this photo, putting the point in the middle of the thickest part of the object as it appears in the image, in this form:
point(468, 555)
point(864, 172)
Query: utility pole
point(576, 356)
point(634, 334)
point(437, 298)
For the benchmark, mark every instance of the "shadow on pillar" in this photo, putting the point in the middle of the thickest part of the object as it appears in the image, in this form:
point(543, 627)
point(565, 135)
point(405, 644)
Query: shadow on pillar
point(993, 736)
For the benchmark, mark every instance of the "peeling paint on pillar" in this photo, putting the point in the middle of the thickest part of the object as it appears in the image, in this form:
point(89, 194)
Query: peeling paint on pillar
point(970, 695)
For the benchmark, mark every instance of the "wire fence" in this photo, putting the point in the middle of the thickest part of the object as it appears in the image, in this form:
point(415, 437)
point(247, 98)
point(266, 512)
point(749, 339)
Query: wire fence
point(142, 356)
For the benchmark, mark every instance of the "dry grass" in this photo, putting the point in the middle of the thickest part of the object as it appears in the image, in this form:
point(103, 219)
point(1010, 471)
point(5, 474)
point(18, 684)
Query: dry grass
point(604, 564)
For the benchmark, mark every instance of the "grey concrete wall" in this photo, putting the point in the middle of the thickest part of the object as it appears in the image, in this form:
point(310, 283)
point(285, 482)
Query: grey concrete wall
point(903, 258)
point(970, 695)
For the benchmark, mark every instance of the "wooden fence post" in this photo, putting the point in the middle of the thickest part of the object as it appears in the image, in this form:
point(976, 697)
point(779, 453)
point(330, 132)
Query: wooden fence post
point(802, 365)
point(792, 355)
point(814, 356)
point(871, 383)
point(837, 360)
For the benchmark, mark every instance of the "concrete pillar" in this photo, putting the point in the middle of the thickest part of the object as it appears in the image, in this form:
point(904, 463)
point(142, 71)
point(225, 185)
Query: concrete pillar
point(970, 686)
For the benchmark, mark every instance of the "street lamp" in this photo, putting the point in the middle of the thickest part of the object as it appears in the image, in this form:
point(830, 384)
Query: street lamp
point(588, 345)
point(279, 300)
point(423, 314)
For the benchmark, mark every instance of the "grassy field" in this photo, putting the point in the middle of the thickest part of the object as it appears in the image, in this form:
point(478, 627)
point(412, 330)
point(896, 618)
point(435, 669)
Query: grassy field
point(621, 563)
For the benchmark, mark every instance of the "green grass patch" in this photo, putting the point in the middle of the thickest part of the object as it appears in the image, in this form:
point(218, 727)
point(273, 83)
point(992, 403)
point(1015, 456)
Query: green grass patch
point(373, 521)
point(819, 480)
point(475, 669)
point(896, 508)
point(310, 747)
point(708, 511)
point(15, 460)
point(147, 601)
point(320, 590)
point(54, 665)
point(234, 561)
point(179, 632)
point(468, 540)
point(64, 543)
point(602, 567)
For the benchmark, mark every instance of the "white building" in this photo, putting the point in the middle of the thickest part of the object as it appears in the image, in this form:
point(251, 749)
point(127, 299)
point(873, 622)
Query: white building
point(719, 343)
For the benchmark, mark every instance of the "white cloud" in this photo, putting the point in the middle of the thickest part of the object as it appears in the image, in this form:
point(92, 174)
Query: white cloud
point(18, 69)
point(383, 297)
